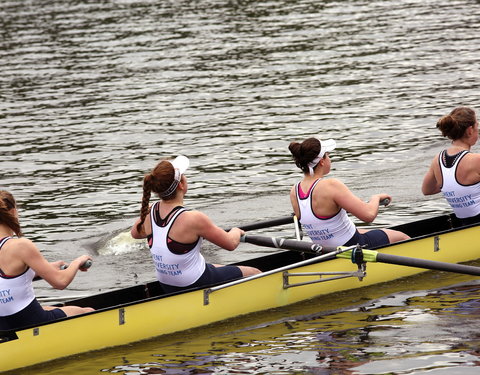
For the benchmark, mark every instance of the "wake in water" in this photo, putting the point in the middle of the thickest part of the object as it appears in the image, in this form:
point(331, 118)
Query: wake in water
point(118, 243)
point(122, 243)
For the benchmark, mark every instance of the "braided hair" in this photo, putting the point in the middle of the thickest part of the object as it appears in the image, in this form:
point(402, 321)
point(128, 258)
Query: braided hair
point(159, 180)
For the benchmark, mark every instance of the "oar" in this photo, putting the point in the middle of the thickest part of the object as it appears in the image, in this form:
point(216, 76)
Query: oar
point(284, 243)
point(368, 255)
point(421, 263)
point(266, 224)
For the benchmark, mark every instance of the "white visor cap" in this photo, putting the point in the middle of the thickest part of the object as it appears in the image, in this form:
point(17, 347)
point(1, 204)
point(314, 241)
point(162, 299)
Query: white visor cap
point(181, 163)
point(326, 146)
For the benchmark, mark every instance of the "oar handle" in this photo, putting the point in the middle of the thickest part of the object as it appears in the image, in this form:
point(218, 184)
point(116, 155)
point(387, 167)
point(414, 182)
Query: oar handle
point(85, 265)
point(384, 202)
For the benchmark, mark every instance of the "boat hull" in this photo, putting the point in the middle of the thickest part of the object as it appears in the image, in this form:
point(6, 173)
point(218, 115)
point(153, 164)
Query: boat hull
point(142, 312)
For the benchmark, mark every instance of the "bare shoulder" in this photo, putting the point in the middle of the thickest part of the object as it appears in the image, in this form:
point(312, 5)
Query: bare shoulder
point(473, 156)
point(22, 248)
point(194, 218)
point(333, 183)
point(473, 161)
point(22, 243)
point(435, 159)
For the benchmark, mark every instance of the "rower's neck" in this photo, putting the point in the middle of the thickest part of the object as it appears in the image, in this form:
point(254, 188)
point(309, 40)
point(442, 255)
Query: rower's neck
point(460, 145)
point(167, 206)
point(6, 231)
point(316, 176)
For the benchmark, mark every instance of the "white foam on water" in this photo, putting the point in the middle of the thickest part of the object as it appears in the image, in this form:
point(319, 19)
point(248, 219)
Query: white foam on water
point(122, 243)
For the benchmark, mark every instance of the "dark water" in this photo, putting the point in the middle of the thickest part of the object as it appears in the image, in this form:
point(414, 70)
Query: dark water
point(94, 93)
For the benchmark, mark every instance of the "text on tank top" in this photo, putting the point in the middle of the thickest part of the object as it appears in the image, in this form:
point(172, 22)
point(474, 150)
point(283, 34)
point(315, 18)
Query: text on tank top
point(464, 199)
point(16, 292)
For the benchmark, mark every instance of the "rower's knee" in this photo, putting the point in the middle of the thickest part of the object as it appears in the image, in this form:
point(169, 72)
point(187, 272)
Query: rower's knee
point(76, 310)
point(396, 236)
point(249, 271)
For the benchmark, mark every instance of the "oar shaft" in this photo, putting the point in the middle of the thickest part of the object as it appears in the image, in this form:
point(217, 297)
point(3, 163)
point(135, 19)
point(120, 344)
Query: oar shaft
point(368, 255)
point(266, 224)
point(429, 264)
point(283, 243)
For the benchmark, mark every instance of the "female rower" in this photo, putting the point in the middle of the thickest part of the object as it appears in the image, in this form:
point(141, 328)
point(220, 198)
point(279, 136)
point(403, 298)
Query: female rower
point(175, 234)
point(456, 171)
point(20, 262)
point(321, 205)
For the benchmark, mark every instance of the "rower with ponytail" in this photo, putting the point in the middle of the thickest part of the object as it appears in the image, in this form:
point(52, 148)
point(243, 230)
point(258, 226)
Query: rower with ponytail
point(175, 233)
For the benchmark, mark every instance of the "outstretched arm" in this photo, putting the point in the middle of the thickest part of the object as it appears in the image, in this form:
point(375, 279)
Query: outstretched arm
point(365, 211)
point(204, 227)
point(29, 254)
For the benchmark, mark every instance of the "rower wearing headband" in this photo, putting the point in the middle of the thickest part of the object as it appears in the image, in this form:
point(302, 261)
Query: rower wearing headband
point(322, 204)
point(175, 234)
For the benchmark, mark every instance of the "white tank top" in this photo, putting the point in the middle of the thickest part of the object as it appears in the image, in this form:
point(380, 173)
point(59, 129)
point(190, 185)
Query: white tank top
point(464, 199)
point(332, 231)
point(174, 269)
point(16, 292)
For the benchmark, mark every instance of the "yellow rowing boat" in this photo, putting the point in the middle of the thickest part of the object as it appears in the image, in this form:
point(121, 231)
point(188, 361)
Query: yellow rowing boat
point(141, 312)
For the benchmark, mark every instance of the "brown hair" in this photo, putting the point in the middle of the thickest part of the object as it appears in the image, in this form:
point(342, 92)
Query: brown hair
point(456, 122)
point(305, 152)
point(158, 180)
point(7, 203)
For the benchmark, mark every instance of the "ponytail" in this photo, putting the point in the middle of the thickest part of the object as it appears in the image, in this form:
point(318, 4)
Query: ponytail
point(147, 192)
point(159, 180)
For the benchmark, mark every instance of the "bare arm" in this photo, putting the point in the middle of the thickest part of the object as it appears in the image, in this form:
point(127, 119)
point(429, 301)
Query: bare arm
point(365, 211)
point(29, 254)
point(146, 228)
point(430, 184)
point(294, 202)
point(204, 227)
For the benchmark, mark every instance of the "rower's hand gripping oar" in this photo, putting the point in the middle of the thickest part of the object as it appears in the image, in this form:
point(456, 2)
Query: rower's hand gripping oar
point(85, 265)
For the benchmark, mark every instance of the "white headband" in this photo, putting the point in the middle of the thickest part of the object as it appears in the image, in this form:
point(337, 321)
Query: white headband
point(314, 163)
point(173, 186)
point(180, 164)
